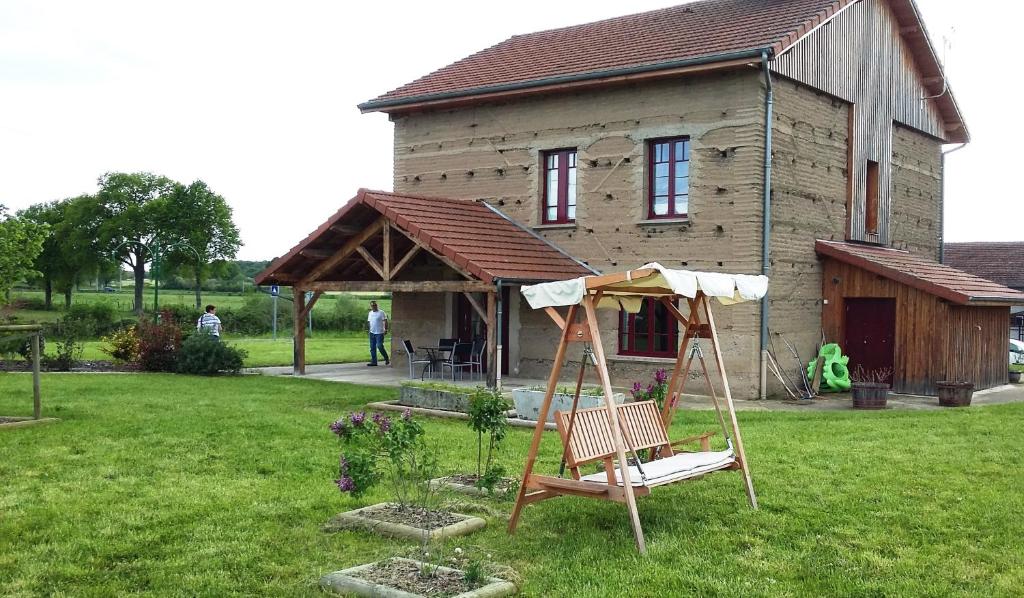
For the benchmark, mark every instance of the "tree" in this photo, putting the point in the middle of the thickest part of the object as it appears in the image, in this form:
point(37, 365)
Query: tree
point(71, 248)
point(127, 207)
point(199, 231)
point(21, 241)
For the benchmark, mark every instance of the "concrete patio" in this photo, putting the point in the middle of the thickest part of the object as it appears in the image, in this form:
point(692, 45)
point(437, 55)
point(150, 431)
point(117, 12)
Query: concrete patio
point(359, 373)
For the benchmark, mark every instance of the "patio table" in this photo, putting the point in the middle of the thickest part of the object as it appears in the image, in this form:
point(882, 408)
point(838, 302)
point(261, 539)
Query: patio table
point(436, 355)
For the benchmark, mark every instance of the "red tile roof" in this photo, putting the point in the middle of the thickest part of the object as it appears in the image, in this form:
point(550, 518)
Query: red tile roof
point(476, 237)
point(912, 270)
point(1000, 262)
point(705, 29)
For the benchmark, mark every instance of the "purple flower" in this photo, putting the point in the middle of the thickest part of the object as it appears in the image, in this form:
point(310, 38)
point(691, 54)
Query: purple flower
point(384, 423)
point(346, 484)
point(358, 418)
point(660, 376)
point(339, 427)
point(650, 388)
point(407, 414)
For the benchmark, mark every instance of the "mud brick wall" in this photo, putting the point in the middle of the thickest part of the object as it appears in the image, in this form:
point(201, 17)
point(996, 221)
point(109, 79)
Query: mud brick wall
point(494, 152)
point(916, 192)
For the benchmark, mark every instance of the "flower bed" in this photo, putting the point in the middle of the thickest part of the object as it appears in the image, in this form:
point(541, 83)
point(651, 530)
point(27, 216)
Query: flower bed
point(409, 522)
point(433, 395)
point(466, 483)
point(399, 577)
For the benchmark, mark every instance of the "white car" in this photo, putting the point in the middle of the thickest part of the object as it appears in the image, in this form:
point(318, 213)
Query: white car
point(1016, 351)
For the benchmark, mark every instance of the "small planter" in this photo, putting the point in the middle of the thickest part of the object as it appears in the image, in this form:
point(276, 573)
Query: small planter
point(869, 395)
point(1014, 377)
point(955, 394)
point(430, 398)
point(527, 402)
point(380, 519)
point(381, 578)
point(463, 485)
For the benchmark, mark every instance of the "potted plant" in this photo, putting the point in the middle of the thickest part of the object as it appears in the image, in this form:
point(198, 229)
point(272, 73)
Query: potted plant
point(870, 387)
point(487, 417)
point(1015, 372)
point(378, 449)
point(955, 393)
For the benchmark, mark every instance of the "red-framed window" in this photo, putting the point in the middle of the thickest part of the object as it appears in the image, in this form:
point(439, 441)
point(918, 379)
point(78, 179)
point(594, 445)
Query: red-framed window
point(668, 187)
point(559, 192)
point(651, 332)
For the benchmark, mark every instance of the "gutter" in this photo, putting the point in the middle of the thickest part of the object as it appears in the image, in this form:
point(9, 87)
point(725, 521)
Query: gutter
point(373, 105)
point(766, 225)
point(942, 202)
point(538, 237)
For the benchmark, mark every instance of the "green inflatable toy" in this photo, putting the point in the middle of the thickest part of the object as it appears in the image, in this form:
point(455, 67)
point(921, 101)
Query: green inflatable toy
point(835, 375)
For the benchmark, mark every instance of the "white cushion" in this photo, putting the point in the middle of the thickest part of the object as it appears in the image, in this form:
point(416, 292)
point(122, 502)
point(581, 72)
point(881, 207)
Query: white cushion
point(680, 466)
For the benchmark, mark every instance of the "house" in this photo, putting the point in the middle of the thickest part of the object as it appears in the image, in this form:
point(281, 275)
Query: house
point(728, 135)
point(999, 262)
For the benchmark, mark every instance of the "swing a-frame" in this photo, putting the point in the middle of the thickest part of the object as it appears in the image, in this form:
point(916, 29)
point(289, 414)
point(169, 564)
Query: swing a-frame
point(635, 434)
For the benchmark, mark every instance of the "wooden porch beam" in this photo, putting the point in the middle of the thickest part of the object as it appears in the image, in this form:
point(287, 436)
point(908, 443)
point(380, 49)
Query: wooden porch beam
point(415, 249)
point(443, 259)
point(386, 274)
point(312, 302)
point(426, 286)
point(299, 333)
point(493, 367)
point(317, 254)
point(346, 250)
point(476, 306)
point(345, 229)
point(368, 257)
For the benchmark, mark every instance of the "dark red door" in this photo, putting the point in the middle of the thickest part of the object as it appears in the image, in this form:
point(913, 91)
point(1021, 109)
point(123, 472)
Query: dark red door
point(870, 333)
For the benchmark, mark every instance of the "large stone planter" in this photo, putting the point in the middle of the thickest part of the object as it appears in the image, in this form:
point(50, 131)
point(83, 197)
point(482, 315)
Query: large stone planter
point(527, 403)
point(363, 519)
point(348, 581)
point(429, 398)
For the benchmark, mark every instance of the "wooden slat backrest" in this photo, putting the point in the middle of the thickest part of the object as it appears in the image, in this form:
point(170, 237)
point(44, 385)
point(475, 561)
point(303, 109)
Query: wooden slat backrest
point(592, 438)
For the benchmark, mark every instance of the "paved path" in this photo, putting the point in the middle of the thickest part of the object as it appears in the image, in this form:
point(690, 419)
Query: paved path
point(359, 373)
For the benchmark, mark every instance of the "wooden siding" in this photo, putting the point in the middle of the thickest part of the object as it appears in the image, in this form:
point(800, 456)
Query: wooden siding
point(860, 57)
point(934, 339)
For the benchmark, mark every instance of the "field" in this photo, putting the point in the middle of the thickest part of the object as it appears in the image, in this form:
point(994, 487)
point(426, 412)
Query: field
point(172, 485)
point(321, 347)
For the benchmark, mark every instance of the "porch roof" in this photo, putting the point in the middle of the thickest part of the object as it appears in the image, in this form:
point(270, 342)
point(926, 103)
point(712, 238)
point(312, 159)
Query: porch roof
point(926, 275)
point(472, 237)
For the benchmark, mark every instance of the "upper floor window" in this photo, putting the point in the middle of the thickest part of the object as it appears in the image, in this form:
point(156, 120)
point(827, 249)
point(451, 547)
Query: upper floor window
point(668, 194)
point(871, 199)
point(651, 332)
point(559, 187)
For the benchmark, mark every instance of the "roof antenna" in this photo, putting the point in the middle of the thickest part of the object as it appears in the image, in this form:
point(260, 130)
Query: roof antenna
point(947, 44)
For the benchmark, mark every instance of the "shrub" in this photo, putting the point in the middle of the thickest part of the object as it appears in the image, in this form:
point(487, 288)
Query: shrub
point(159, 345)
point(69, 353)
point(21, 345)
point(487, 417)
point(123, 344)
point(90, 319)
point(255, 315)
point(653, 392)
point(202, 354)
point(183, 316)
point(383, 448)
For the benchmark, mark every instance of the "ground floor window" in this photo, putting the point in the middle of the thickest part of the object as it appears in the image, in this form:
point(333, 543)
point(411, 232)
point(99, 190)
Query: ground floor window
point(651, 332)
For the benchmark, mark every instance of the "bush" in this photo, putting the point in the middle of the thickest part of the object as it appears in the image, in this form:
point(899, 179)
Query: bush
point(90, 319)
point(123, 344)
point(21, 345)
point(69, 353)
point(183, 316)
point(159, 345)
point(204, 355)
point(255, 316)
point(487, 418)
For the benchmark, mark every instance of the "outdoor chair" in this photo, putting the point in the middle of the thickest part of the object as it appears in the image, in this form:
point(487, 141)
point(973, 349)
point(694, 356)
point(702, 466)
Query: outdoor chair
point(476, 355)
point(447, 343)
point(458, 359)
point(414, 359)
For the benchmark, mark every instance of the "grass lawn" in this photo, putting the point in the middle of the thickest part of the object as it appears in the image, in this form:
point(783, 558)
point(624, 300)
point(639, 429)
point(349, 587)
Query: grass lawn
point(171, 485)
point(330, 347)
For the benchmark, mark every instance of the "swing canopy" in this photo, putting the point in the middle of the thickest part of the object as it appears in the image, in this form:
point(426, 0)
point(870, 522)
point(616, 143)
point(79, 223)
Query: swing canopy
point(607, 434)
point(628, 290)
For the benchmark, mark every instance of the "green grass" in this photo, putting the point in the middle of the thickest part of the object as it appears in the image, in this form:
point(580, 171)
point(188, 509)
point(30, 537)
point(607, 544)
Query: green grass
point(328, 347)
point(172, 485)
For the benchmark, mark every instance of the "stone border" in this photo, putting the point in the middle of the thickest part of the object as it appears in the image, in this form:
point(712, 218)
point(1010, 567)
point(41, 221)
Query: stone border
point(358, 520)
point(395, 406)
point(344, 582)
point(445, 483)
point(24, 422)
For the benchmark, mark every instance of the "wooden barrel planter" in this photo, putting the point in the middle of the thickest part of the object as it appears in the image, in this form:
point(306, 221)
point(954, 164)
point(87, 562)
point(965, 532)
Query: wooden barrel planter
point(869, 395)
point(1014, 377)
point(955, 394)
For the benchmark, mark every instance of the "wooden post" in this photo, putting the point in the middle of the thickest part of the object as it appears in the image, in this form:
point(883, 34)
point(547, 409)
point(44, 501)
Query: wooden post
point(538, 430)
point(36, 404)
point(702, 298)
point(492, 340)
point(299, 333)
point(613, 422)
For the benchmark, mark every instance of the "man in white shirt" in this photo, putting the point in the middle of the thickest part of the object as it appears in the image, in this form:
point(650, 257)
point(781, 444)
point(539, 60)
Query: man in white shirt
point(378, 324)
point(210, 323)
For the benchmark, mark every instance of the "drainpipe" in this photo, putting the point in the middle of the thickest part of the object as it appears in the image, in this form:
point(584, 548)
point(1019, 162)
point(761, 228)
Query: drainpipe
point(766, 226)
point(942, 203)
point(497, 350)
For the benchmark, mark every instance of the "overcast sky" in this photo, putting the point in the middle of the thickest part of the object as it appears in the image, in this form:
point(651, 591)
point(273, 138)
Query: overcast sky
point(258, 99)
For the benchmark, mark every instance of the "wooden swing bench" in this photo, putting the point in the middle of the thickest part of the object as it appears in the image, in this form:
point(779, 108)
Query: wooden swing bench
point(605, 434)
point(587, 439)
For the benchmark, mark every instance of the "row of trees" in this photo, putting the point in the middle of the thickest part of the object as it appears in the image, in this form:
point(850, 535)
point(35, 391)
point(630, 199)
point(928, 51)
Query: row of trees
point(132, 219)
